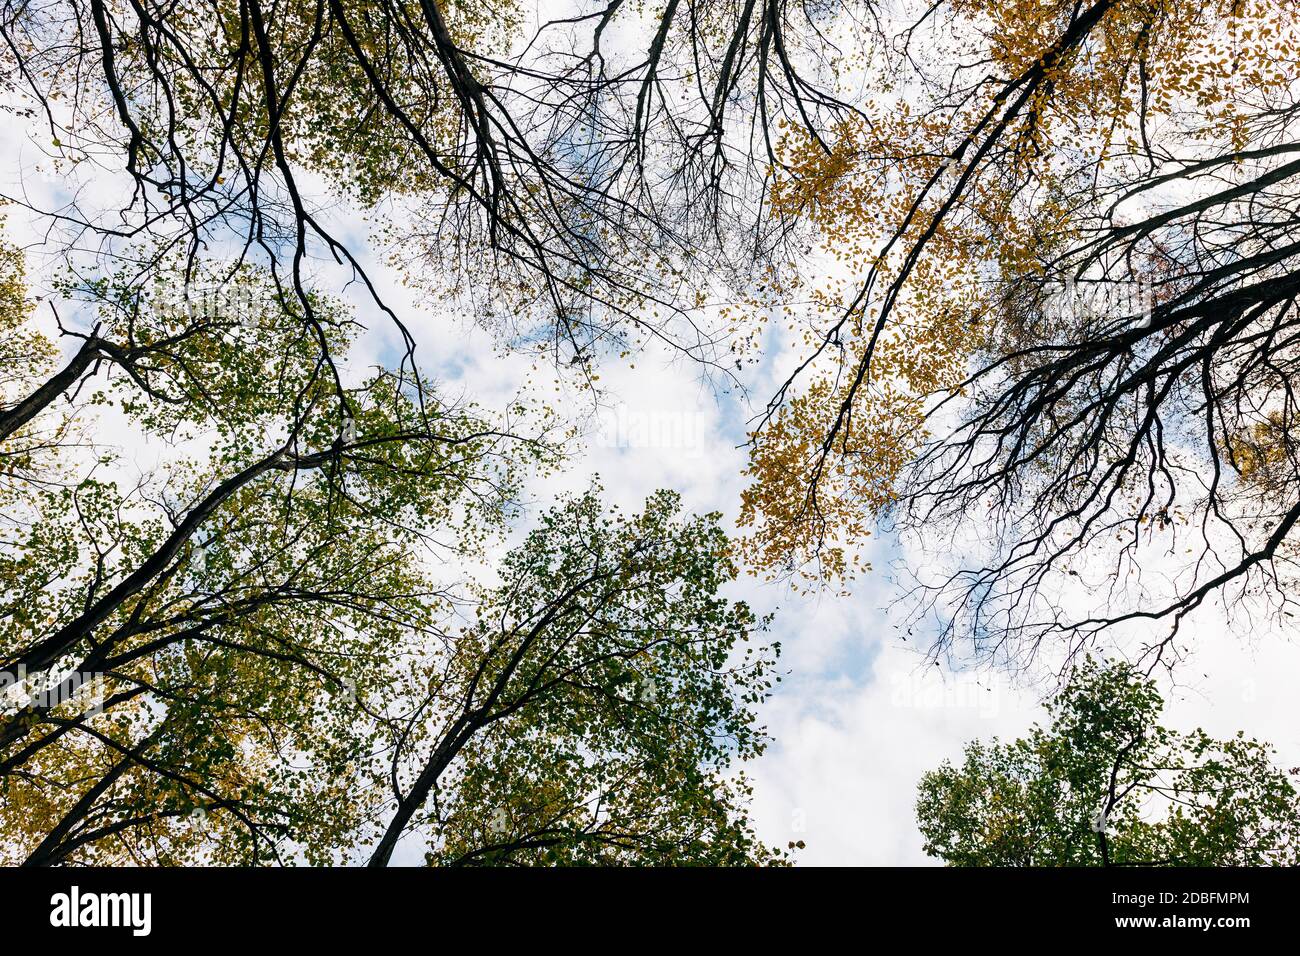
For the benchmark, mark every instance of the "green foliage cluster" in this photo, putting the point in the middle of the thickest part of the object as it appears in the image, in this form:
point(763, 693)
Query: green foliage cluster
point(1106, 784)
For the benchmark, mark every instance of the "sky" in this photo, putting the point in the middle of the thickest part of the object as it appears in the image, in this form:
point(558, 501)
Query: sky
point(861, 713)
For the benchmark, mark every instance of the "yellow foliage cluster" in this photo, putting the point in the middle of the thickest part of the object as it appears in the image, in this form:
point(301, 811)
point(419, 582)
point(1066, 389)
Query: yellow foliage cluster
point(25, 354)
point(1260, 451)
point(926, 233)
point(26, 357)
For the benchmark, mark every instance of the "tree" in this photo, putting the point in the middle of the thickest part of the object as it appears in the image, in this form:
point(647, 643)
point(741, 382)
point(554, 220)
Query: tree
point(588, 187)
point(1105, 784)
point(249, 657)
point(590, 712)
point(1064, 341)
point(261, 641)
point(189, 646)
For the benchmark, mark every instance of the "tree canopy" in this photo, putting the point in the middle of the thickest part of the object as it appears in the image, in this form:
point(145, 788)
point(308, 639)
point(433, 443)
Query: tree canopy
point(1059, 344)
point(1012, 282)
point(1106, 784)
point(255, 654)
